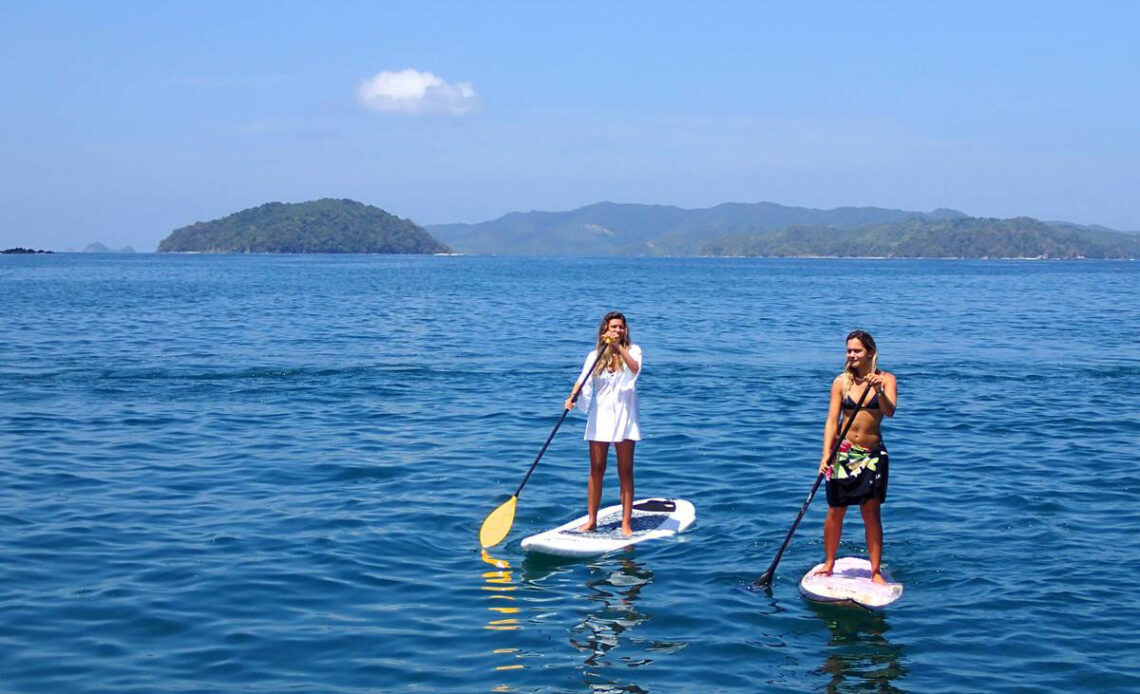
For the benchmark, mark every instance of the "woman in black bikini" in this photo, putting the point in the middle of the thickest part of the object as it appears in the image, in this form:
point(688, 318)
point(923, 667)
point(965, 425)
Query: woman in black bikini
point(859, 475)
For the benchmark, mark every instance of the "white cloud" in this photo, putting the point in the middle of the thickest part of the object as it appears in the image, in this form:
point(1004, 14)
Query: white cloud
point(412, 91)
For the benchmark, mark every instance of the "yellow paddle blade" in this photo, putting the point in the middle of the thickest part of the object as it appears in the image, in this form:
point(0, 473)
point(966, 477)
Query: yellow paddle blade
point(498, 523)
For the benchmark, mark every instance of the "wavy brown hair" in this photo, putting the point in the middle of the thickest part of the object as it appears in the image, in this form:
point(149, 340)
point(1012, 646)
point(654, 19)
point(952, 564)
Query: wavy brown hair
point(613, 360)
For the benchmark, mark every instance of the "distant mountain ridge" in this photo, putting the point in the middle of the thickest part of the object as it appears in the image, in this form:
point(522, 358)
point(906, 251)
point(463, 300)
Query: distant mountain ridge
point(965, 237)
point(99, 247)
point(318, 226)
point(633, 229)
point(771, 229)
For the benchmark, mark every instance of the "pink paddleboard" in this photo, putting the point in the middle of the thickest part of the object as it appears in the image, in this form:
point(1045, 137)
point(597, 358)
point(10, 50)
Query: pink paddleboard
point(850, 582)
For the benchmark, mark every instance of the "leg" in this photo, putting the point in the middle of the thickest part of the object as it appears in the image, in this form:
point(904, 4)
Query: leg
point(598, 452)
point(625, 475)
point(832, 530)
point(873, 525)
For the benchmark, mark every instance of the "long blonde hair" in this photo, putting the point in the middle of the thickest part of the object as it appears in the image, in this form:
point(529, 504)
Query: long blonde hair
point(613, 360)
point(868, 343)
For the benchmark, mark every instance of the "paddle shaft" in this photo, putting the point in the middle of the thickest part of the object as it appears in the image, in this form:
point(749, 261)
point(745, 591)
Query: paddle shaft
point(766, 577)
point(565, 411)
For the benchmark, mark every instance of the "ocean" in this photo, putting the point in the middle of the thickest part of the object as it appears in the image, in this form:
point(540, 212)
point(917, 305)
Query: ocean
point(267, 474)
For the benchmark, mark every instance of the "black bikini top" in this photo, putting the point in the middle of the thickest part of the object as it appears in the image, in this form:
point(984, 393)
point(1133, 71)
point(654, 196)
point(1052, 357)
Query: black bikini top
point(873, 404)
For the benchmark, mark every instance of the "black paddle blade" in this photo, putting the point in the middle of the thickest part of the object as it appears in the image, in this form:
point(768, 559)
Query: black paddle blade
point(765, 580)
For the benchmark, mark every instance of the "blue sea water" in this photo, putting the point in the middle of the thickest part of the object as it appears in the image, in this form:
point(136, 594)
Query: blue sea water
point(267, 473)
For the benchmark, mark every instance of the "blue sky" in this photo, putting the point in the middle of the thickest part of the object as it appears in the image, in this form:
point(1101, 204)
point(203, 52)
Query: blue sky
point(125, 120)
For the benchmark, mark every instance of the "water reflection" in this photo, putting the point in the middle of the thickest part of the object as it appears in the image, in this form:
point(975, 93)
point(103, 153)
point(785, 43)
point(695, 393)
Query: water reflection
point(601, 612)
point(613, 611)
point(613, 596)
point(500, 585)
point(859, 656)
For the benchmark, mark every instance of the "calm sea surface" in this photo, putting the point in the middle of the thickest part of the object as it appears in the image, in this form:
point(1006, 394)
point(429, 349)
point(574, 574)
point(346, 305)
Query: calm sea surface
point(266, 474)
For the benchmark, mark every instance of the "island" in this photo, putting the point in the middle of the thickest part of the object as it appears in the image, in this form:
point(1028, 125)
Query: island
point(21, 251)
point(318, 226)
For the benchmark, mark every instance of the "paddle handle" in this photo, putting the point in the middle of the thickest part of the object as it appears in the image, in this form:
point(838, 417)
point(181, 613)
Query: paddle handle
point(565, 411)
point(766, 577)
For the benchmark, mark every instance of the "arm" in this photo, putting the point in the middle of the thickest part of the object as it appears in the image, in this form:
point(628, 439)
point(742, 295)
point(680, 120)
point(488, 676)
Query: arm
point(582, 385)
point(831, 427)
point(632, 358)
point(887, 388)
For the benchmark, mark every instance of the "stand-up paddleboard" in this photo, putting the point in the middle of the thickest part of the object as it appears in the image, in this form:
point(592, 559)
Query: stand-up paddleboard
point(850, 582)
point(652, 519)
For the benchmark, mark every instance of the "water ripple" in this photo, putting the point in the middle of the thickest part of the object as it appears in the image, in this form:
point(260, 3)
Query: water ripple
point(266, 474)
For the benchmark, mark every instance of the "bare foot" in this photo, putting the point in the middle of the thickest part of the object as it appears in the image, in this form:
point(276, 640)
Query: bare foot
point(626, 530)
point(826, 570)
point(587, 527)
point(878, 578)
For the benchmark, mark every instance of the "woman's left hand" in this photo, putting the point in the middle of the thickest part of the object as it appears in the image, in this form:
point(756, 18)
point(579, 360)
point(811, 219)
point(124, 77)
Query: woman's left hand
point(876, 381)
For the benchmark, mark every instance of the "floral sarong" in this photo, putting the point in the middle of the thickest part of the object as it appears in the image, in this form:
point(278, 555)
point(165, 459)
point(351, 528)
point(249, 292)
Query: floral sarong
point(858, 474)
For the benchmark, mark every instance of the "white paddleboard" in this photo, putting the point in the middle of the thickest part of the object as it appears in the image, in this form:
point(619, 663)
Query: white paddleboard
point(652, 519)
point(850, 582)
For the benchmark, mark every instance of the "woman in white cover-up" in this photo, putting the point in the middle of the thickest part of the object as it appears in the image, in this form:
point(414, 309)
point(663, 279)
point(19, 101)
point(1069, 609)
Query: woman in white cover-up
point(609, 397)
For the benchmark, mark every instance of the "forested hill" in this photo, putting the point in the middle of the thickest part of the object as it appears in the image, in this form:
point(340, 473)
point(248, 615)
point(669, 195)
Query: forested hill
point(319, 226)
point(769, 229)
point(630, 229)
point(964, 237)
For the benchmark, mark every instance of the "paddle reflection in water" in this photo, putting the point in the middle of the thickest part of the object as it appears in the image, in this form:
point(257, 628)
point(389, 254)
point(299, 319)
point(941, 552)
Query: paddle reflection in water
point(500, 586)
point(859, 656)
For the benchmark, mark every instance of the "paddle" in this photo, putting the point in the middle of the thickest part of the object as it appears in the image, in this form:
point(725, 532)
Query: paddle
point(765, 579)
point(498, 522)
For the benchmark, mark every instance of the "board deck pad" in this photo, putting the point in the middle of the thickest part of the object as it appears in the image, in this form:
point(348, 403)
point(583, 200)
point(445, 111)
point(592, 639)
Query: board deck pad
point(652, 519)
point(850, 582)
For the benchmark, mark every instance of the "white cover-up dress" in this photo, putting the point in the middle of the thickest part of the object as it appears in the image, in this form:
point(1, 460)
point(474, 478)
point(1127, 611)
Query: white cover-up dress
point(610, 401)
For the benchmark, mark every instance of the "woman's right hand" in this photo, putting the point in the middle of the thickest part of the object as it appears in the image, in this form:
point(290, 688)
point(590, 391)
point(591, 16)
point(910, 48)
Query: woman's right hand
point(823, 463)
point(569, 401)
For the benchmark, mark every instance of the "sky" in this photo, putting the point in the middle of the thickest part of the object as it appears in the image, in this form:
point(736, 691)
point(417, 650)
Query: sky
point(123, 121)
